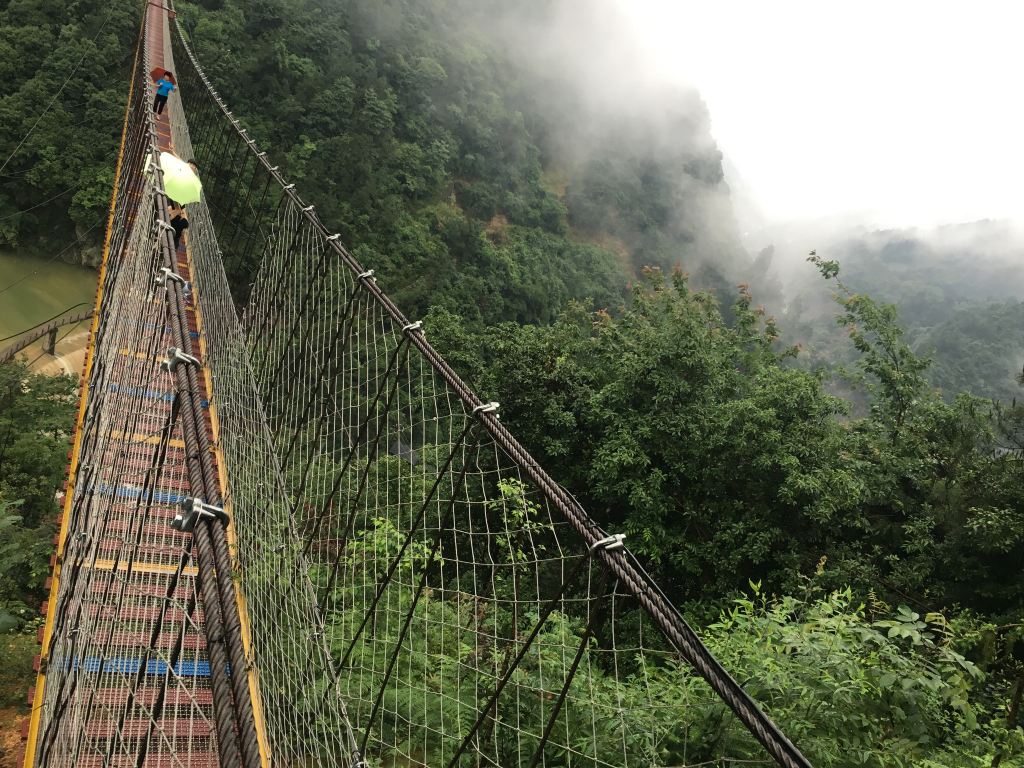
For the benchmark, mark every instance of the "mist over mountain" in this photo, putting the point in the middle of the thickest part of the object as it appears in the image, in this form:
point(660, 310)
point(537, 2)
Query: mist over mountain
point(957, 289)
point(498, 158)
point(632, 148)
point(963, 261)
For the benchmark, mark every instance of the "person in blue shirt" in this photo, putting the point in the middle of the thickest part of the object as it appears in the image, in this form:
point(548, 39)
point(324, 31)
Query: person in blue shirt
point(164, 86)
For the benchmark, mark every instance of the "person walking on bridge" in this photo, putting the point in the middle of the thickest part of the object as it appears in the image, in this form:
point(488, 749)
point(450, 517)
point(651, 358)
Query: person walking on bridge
point(164, 86)
point(179, 221)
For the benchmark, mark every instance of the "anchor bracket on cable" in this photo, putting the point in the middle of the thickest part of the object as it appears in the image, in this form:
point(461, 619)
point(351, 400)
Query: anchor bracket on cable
point(491, 407)
point(176, 357)
point(609, 543)
point(165, 275)
point(191, 510)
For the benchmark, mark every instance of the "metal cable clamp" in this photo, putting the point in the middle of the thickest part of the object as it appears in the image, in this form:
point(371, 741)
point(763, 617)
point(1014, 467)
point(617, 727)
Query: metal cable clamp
point(166, 274)
point(609, 543)
point(192, 510)
point(175, 357)
point(491, 407)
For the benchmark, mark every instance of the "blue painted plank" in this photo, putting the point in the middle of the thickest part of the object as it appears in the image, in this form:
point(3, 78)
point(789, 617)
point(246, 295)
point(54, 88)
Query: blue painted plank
point(128, 666)
point(130, 492)
point(152, 394)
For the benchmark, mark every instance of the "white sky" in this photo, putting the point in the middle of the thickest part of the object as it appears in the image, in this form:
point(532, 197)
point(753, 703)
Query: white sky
point(895, 113)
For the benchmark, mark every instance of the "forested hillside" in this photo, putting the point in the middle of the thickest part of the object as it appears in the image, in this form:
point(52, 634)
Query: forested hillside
point(567, 236)
point(63, 74)
point(36, 417)
point(486, 188)
point(958, 289)
point(466, 172)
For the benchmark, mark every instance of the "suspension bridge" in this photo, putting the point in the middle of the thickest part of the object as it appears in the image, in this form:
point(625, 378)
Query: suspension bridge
point(292, 536)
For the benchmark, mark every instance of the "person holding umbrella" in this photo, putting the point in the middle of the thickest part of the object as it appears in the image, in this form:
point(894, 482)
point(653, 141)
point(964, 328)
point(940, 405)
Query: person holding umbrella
point(181, 178)
point(164, 86)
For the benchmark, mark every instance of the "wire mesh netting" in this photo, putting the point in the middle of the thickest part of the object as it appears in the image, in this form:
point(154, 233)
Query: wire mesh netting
point(127, 675)
point(419, 592)
point(376, 572)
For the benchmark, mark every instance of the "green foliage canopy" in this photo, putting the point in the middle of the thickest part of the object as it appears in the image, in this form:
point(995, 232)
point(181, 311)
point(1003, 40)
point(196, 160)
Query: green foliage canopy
point(36, 419)
point(61, 144)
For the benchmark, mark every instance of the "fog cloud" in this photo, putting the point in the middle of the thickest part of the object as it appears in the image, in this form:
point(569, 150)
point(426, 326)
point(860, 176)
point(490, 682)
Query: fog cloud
point(607, 106)
point(896, 114)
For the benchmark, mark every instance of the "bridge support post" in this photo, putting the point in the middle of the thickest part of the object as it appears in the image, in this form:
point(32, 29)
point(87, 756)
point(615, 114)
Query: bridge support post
point(51, 342)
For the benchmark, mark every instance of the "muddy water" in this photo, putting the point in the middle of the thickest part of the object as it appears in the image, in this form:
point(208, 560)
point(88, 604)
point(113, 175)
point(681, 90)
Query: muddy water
point(32, 291)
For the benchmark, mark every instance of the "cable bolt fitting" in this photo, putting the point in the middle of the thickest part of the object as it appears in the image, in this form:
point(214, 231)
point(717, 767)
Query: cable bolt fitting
point(165, 273)
point(192, 510)
point(491, 407)
point(609, 543)
point(175, 357)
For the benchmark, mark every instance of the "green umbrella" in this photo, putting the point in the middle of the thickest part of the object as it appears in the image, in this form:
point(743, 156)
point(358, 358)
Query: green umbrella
point(180, 182)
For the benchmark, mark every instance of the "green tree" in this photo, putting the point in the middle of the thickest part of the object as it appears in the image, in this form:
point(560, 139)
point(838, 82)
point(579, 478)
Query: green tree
point(856, 684)
point(679, 430)
point(941, 503)
point(36, 419)
point(59, 146)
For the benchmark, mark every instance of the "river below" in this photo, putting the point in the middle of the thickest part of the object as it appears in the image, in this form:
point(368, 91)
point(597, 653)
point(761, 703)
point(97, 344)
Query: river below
point(33, 290)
